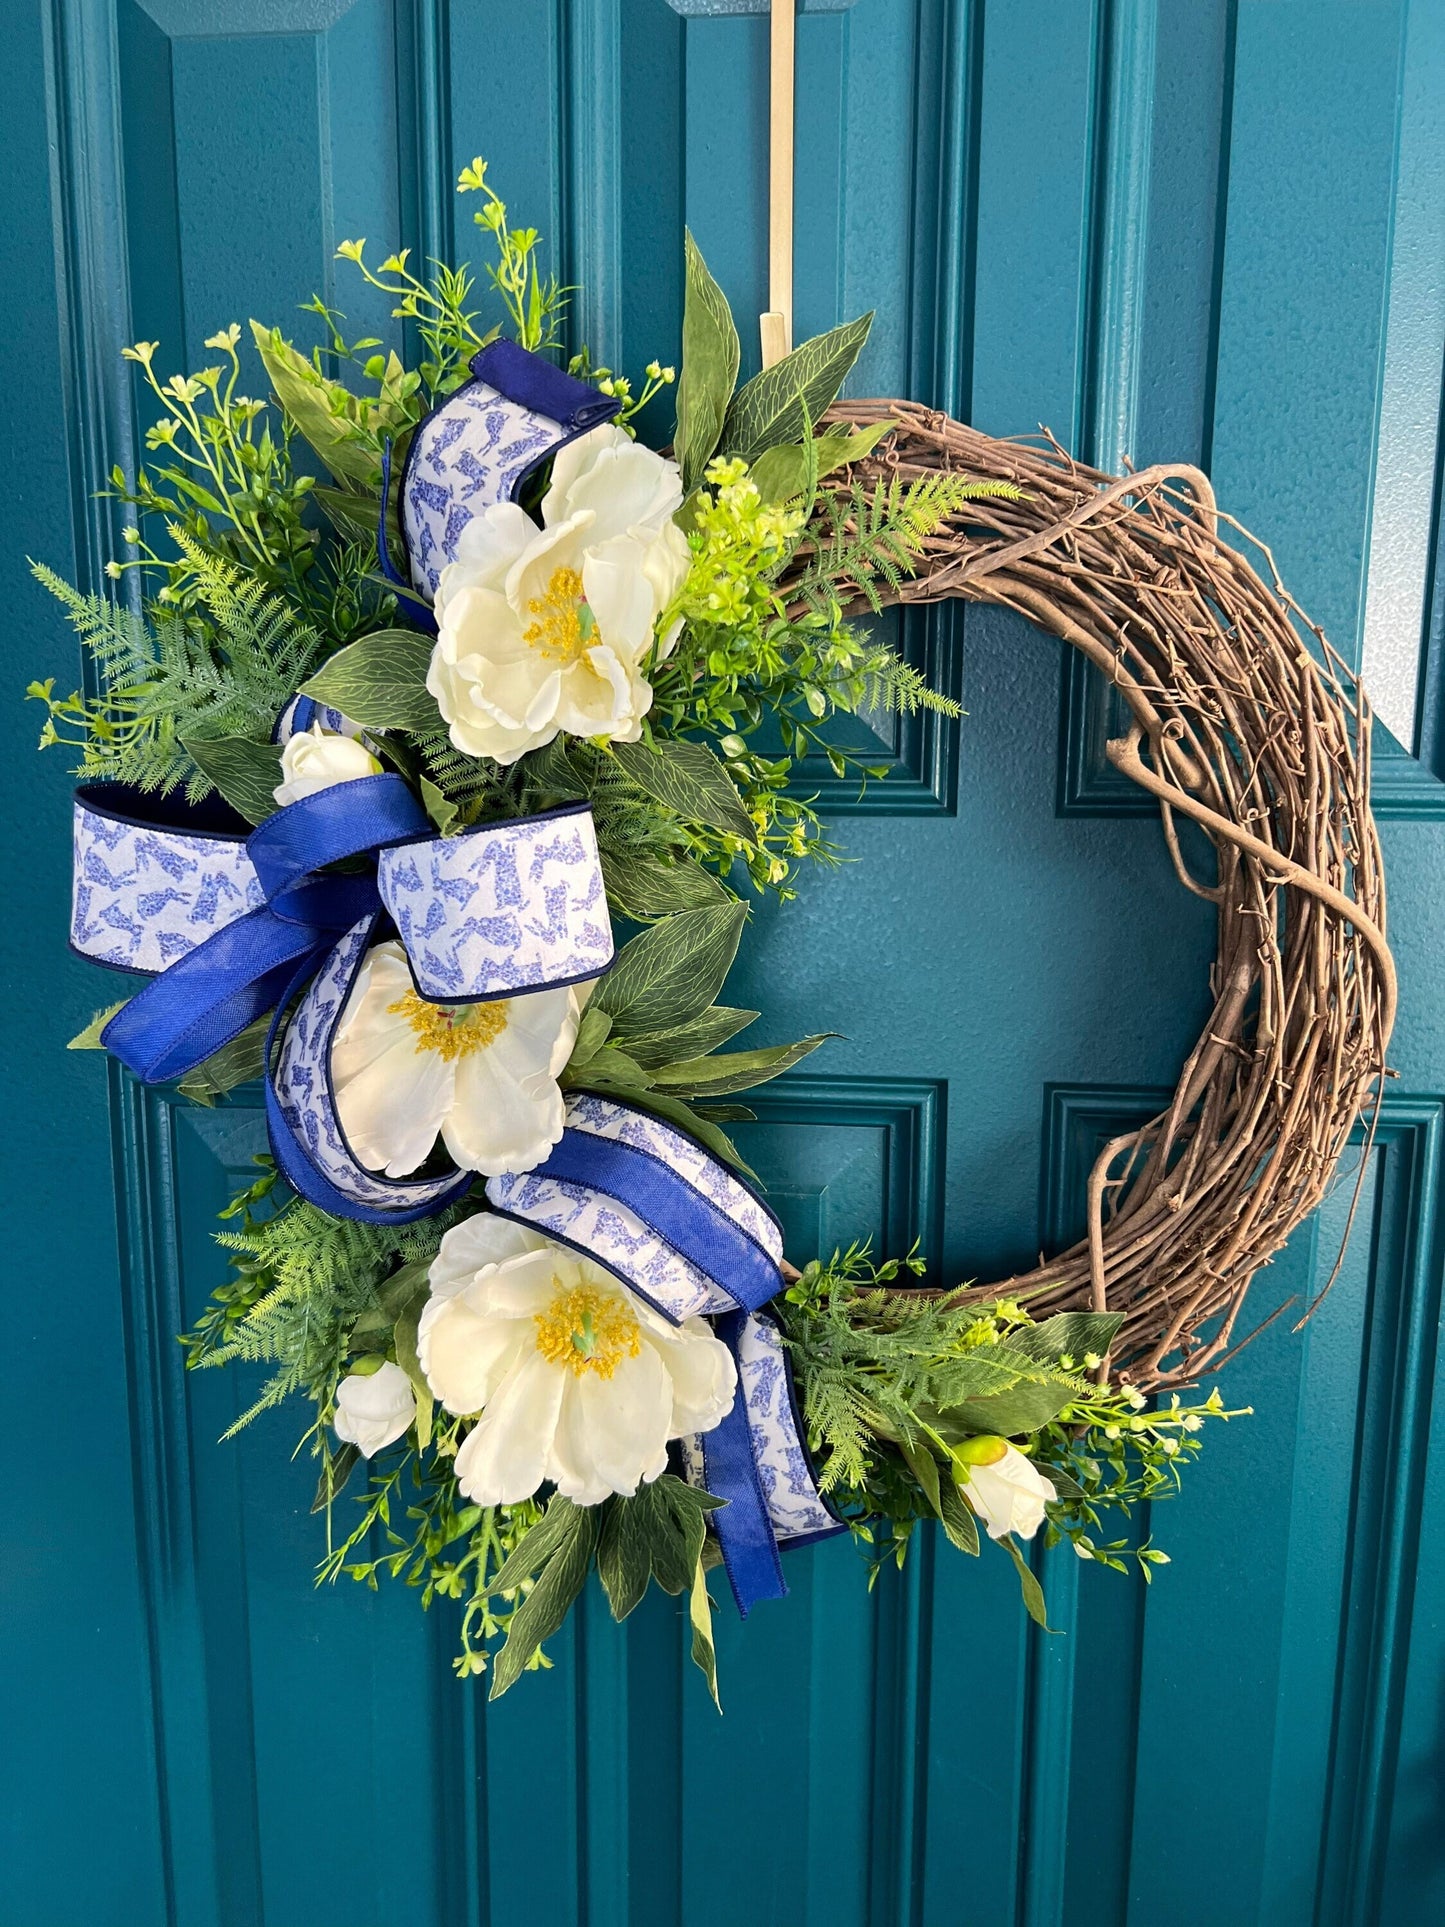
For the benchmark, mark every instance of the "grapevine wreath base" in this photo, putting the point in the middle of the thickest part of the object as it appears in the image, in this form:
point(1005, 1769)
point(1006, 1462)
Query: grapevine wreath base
point(1240, 728)
point(383, 770)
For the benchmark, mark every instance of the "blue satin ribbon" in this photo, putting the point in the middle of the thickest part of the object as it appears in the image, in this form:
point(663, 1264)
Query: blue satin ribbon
point(703, 1234)
point(211, 994)
point(693, 1225)
point(730, 1468)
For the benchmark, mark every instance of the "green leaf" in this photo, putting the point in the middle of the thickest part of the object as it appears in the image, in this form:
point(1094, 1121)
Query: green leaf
point(958, 1520)
point(355, 516)
point(560, 1580)
point(320, 410)
point(1014, 1414)
point(782, 472)
point(675, 1111)
point(89, 1038)
point(380, 682)
point(778, 405)
point(241, 1061)
point(441, 812)
point(245, 771)
point(335, 1471)
point(924, 1467)
point(1029, 1586)
point(690, 781)
point(623, 1563)
point(656, 1533)
point(1065, 1487)
point(672, 972)
point(591, 1036)
point(1068, 1334)
point(608, 1068)
point(709, 366)
point(551, 771)
point(642, 886)
point(537, 1545)
point(699, 1612)
point(696, 1039)
point(405, 1337)
point(737, 1070)
point(404, 1287)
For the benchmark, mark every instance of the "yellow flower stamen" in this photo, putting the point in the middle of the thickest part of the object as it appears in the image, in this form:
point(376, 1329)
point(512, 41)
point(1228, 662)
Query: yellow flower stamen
point(588, 1329)
point(453, 1030)
point(564, 627)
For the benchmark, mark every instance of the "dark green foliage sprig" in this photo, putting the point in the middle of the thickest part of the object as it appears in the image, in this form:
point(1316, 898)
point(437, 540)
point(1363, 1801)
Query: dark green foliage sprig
point(659, 1535)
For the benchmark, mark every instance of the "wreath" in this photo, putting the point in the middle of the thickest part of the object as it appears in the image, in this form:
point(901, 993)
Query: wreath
point(425, 687)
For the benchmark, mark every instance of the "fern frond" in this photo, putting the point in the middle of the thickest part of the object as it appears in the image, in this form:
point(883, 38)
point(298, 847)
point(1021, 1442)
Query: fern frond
point(227, 672)
point(305, 1278)
point(896, 687)
point(867, 538)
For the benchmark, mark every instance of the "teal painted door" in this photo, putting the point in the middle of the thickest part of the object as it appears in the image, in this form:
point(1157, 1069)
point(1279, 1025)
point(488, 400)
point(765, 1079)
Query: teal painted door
point(1211, 230)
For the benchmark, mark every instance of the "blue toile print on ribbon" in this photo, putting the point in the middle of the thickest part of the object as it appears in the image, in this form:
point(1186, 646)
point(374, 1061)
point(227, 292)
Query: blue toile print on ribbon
point(691, 1238)
point(477, 447)
point(237, 923)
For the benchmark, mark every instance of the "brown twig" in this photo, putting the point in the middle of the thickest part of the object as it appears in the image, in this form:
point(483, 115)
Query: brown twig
point(1263, 741)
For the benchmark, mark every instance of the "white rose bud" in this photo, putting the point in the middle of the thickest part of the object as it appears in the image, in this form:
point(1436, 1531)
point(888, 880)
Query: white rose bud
point(1006, 1491)
point(373, 1409)
point(313, 760)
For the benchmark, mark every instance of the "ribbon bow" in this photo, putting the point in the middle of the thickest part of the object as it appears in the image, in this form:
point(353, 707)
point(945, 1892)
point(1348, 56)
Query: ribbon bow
point(691, 1238)
point(236, 925)
point(210, 994)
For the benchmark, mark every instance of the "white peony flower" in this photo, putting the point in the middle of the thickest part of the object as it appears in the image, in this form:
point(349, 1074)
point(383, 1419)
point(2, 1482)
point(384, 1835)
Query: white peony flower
point(482, 1075)
point(576, 1379)
point(314, 759)
point(374, 1409)
point(1003, 1487)
point(542, 630)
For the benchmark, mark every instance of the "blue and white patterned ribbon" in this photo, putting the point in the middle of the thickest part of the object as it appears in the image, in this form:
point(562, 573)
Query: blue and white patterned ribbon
point(310, 1146)
point(150, 882)
point(501, 909)
point(304, 712)
point(480, 445)
point(233, 923)
point(690, 1237)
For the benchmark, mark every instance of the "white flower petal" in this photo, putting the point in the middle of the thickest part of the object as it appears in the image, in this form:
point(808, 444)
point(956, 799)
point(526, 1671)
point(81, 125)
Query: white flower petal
point(703, 1374)
point(373, 1410)
point(621, 596)
point(552, 548)
point(486, 550)
point(465, 1354)
point(600, 697)
point(391, 1096)
point(625, 485)
point(1009, 1495)
point(476, 1242)
point(497, 1122)
point(624, 1423)
point(504, 1456)
point(523, 1286)
point(666, 563)
point(314, 759)
point(571, 463)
